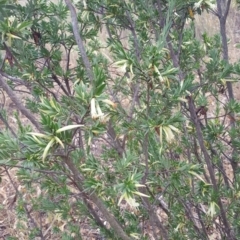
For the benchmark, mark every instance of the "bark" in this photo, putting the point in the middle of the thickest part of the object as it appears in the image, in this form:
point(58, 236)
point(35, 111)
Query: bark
point(174, 55)
point(222, 16)
point(78, 39)
point(117, 228)
point(18, 103)
point(192, 109)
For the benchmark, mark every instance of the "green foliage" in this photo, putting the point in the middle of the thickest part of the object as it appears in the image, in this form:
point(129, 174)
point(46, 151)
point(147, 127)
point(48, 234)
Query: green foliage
point(140, 128)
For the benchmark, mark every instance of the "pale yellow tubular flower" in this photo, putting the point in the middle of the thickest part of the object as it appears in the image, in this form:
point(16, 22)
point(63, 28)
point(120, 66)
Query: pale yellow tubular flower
point(99, 110)
point(93, 109)
point(169, 134)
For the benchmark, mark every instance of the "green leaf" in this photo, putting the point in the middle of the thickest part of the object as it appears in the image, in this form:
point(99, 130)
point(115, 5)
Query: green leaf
point(23, 25)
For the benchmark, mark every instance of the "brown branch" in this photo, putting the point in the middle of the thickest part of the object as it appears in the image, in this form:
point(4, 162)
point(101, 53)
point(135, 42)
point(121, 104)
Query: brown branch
point(207, 158)
point(152, 215)
point(174, 56)
point(32, 223)
point(9, 53)
point(222, 16)
point(14, 79)
point(78, 179)
point(79, 41)
point(112, 134)
point(55, 78)
point(7, 125)
point(136, 86)
point(18, 103)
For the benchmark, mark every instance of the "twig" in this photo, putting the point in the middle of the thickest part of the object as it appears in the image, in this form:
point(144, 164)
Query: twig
point(14, 79)
point(7, 125)
point(30, 218)
point(207, 158)
point(78, 179)
point(79, 41)
point(18, 103)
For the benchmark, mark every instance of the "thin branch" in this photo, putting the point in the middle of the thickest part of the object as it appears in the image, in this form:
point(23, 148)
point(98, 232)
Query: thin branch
point(47, 90)
point(79, 41)
point(28, 212)
point(7, 125)
point(207, 158)
point(117, 228)
point(55, 78)
point(18, 103)
point(14, 79)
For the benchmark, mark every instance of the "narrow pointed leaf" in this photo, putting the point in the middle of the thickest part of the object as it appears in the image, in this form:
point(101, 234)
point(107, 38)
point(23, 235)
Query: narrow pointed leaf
point(69, 127)
point(59, 141)
point(50, 144)
point(41, 135)
point(141, 194)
